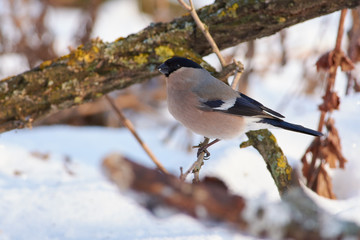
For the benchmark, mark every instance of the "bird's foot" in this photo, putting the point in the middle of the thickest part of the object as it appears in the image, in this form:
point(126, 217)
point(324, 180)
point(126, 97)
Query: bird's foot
point(203, 149)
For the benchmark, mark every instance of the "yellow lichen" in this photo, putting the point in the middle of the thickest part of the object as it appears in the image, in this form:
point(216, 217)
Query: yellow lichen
point(281, 162)
point(232, 10)
point(142, 58)
point(164, 52)
point(222, 14)
point(89, 57)
point(80, 55)
point(45, 64)
point(288, 171)
point(273, 138)
point(281, 19)
point(78, 99)
point(119, 39)
point(95, 49)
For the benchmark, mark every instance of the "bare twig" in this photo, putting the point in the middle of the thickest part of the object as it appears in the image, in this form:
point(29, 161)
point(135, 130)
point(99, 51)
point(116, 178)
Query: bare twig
point(333, 69)
point(327, 150)
point(204, 30)
point(185, 5)
point(127, 123)
point(196, 166)
point(209, 38)
point(238, 72)
point(353, 49)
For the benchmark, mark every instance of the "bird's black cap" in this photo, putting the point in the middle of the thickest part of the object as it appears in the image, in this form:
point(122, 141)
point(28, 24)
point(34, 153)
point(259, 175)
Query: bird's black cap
point(174, 63)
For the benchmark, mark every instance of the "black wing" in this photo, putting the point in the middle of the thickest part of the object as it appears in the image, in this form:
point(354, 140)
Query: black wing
point(243, 106)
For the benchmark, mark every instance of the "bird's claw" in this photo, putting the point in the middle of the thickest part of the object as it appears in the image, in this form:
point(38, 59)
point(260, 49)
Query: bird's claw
point(203, 149)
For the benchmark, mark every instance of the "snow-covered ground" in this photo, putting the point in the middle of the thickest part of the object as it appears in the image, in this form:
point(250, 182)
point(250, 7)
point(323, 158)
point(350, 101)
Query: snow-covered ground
point(52, 186)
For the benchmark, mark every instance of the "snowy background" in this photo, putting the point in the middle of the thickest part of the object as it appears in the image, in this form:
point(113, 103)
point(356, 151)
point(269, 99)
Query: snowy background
point(52, 186)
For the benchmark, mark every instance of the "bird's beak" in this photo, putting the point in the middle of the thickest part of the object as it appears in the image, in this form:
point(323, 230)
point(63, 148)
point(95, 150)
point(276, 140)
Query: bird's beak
point(164, 69)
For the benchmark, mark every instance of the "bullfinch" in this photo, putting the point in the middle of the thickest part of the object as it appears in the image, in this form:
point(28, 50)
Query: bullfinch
point(211, 108)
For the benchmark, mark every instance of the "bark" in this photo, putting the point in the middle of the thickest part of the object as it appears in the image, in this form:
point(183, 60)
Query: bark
point(265, 143)
point(98, 68)
point(296, 217)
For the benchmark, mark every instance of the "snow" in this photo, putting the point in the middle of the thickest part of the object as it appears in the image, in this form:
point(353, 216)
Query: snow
point(270, 218)
point(66, 196)
point(52, 185)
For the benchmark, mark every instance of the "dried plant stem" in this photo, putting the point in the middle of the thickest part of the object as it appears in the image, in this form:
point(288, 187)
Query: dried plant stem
point(340, 30)
point(238, 72)
point(127, 123)
point(196, 166)
point(333, 69)
point(312, 173)
point(204, 30)
point(209, 38)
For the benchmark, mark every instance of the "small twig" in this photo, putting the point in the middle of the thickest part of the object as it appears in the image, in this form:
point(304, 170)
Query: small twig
point(209, 38)
point(238, 72)
point(336, 58)
point(185, 5)
point(333, 70)
point(196, 166)
point(204, 30)
point(127, 123)
point(353, 53)
point(340, 30)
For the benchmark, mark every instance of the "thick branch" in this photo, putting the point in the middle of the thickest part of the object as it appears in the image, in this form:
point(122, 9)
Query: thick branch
point(265, 143)
point(98, 68)
point(297, 217)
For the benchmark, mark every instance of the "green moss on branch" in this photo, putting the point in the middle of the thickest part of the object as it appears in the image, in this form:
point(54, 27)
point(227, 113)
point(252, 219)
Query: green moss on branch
point(265, 143)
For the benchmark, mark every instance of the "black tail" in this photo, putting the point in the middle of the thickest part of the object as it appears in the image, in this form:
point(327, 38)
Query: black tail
point(289, 126)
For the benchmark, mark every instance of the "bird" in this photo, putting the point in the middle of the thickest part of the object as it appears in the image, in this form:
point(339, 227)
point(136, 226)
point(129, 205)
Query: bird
point(211, 108)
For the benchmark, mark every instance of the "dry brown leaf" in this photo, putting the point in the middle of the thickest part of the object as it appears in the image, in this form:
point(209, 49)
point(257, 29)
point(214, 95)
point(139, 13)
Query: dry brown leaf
point(331, 102)
point(329, 155)
point(345, 63)
point(334, 142)
point(330, 147)
point(324, 185)
point(328, 151)
point(329, 59)
point(324, 62)
point(357, 51)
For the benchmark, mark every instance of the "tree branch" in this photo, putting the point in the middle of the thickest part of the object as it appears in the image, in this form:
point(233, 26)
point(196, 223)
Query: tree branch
point(297, 217)
point(265, 143)
point(98, 68)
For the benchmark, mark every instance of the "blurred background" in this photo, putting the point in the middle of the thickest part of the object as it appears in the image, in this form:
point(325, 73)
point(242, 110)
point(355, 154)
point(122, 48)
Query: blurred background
point(32, 31)
point(50, 177)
